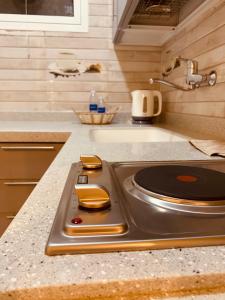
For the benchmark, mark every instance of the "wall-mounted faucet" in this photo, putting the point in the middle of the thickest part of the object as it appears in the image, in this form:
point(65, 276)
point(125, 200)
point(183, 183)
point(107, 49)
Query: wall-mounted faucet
point(168, 83)
point(193, 79)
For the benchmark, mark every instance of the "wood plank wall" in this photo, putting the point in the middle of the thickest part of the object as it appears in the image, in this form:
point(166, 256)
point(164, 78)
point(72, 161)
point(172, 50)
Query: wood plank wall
point(25, 82)
point(204, 41)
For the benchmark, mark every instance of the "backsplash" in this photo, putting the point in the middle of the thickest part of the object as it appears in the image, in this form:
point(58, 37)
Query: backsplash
point(203, 42)
point(25, 80)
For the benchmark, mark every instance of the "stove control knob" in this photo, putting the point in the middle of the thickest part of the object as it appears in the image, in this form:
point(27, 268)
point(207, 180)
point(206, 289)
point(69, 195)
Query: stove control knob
point(91, 161)
point(92, 196)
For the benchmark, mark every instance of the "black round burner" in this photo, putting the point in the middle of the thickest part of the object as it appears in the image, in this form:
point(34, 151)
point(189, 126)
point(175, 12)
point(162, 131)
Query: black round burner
point(183, 182)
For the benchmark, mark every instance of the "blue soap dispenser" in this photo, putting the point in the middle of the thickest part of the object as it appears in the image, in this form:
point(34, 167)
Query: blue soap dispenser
point(93, 106)
point(101, 105)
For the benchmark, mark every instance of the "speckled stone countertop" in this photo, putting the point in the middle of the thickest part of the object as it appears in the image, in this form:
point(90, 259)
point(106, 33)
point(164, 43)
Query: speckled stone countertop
point(27, 273)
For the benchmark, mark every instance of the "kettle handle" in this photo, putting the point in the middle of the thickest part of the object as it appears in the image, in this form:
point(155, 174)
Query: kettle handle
point(159, 99)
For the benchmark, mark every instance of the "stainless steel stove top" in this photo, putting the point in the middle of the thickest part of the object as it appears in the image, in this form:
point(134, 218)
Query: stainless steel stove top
point(102, 210)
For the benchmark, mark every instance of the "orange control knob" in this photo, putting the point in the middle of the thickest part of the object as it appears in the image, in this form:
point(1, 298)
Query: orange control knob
point(91, 161)
point(92, 196)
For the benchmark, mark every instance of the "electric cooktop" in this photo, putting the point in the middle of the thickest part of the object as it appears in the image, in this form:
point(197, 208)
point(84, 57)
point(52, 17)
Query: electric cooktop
point(139, 205)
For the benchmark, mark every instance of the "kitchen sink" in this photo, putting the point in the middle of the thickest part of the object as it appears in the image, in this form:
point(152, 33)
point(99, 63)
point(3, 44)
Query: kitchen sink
point(135, 135)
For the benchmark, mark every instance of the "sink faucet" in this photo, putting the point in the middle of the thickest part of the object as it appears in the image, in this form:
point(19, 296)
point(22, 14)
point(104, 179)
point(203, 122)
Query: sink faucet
point(168, 83)
point(193, 79)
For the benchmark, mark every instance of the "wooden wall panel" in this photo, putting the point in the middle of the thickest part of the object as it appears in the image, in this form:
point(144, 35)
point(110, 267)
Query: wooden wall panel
point(26, 55)
point(204, 42)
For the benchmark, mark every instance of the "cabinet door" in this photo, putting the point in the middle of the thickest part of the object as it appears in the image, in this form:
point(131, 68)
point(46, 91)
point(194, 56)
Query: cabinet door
point(13, 193)
point(121, 4)
point(5, 220)
point(122, 13)
point(26, 160)
point(22, 165)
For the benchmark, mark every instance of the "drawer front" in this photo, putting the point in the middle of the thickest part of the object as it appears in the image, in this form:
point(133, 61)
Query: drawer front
point(5, 220)
point(26, 160)
point(13, 193)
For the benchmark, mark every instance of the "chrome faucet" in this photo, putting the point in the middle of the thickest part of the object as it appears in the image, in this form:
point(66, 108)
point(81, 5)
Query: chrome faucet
point(193, 79)
point(168, 83)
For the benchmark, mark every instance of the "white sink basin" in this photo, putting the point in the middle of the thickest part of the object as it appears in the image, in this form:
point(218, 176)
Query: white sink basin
point(135, 135)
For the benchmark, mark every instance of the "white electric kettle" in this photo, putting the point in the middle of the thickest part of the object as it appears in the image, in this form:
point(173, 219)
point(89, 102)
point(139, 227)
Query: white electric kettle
point(143, 105)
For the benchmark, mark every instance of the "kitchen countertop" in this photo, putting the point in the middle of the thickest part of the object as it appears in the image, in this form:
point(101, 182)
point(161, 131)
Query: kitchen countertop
point(27, 273)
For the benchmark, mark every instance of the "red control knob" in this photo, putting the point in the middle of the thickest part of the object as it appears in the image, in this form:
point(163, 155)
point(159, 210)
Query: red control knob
point(77, 220)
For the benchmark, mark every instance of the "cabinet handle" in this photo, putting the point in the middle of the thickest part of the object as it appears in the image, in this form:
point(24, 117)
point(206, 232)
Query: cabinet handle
point(21, 183)
point(10, 217)
point(28, 148)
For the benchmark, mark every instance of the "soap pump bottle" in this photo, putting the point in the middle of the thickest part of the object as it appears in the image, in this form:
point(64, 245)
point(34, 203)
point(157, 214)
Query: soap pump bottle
point(101, 105)
point(93, 106)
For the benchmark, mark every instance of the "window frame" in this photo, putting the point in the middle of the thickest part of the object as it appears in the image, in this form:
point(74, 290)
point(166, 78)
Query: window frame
point(77, 23)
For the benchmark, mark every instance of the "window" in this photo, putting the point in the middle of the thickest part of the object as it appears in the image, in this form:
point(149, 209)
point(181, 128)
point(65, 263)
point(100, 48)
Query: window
point(52, 15)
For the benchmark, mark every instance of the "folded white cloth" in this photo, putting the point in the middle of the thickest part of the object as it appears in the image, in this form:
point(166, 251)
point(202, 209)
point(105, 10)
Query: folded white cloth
point(210, 147)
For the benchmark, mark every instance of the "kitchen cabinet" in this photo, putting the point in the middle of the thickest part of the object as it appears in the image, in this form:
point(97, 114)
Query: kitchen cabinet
point(22, 166)
point(122, 12)
point(150, 23)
